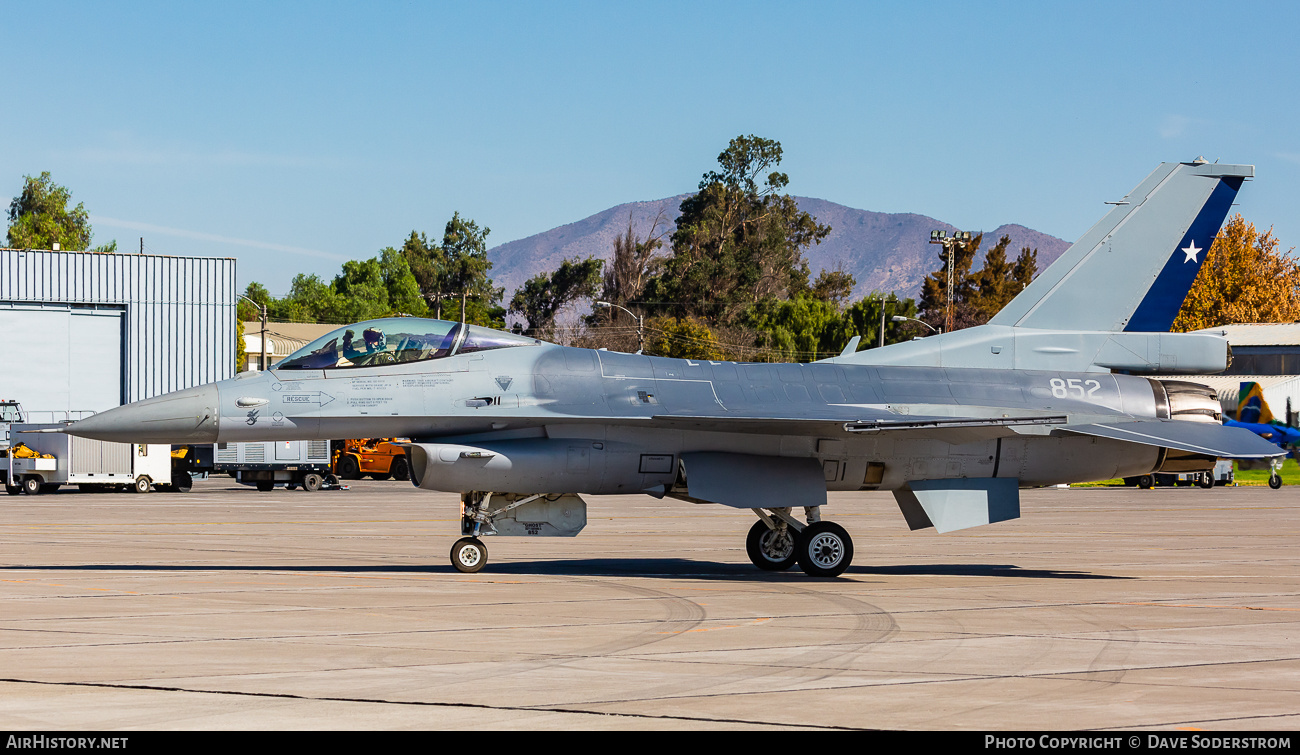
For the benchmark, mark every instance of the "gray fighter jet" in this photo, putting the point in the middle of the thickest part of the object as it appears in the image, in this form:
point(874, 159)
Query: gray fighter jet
point(1050, 391)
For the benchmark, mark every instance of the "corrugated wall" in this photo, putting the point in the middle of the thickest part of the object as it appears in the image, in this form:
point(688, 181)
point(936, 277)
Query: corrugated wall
point(180, 311)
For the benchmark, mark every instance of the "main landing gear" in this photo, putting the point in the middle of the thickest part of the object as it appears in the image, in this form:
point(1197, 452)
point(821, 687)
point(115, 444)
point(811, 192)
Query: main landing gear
point(778, 541)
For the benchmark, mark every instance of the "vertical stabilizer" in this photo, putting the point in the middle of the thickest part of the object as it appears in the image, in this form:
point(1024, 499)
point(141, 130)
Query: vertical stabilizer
point(1133, 269)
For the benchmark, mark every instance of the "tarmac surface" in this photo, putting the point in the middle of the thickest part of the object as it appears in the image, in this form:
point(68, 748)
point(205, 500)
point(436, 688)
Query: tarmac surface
point(226, 608)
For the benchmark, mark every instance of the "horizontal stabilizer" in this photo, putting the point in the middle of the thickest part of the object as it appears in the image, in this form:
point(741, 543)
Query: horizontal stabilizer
point(957, 504)
point(1195, 437)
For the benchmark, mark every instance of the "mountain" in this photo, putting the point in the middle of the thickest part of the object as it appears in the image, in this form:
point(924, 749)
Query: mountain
point(884, 251)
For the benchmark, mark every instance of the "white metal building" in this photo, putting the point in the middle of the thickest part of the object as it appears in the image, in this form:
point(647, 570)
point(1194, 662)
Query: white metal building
point(83, 332)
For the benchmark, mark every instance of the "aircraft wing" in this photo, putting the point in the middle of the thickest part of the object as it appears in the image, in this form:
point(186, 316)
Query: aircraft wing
point(1195, 437)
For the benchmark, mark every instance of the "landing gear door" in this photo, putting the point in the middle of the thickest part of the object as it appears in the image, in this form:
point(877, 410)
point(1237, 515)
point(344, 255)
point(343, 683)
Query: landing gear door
point(748, 481)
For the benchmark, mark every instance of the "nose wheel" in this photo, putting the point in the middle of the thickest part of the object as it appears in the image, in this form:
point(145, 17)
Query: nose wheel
point(468, 555)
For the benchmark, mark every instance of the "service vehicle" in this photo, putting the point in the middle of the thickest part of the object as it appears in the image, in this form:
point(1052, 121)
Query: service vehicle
point(42, 462)
point(379, 458)
point(265, 464)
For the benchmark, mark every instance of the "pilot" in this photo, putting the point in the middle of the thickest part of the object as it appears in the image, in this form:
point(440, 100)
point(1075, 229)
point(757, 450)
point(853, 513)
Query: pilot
point(349, 349)
point(375, 340)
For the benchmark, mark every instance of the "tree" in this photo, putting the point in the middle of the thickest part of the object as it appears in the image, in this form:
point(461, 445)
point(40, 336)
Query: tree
point(634, 263)
point(807, 328)
point(428, 264)
point(1244, 278)
point(241, 354)
point(738, 242)
point(835, 286)
point(467, 268)
point(39, 218)
point(542, 297)
point(683, 338)
point(403, 290)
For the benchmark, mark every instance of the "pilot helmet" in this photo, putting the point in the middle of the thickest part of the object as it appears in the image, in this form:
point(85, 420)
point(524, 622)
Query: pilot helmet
point(374, 338)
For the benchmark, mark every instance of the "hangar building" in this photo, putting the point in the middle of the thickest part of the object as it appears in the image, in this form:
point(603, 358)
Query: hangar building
point(82, 332)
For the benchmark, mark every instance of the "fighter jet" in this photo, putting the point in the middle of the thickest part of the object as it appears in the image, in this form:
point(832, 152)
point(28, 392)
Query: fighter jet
point(1050, 391)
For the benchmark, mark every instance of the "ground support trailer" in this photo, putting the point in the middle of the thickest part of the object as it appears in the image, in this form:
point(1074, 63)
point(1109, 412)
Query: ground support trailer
point(92, 465)
point(292, 463)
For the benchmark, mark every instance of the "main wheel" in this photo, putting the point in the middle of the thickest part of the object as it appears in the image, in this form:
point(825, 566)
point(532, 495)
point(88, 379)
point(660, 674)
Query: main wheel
point(468, 555)
point(400, 470)
point(311, 482)
point(33, 486)
point(1146, 482)
point(1275, 481)
point(348, 468)
point(266, 485)
point(824, 549)
point(141, 485)
point(1206, 480)
point(769, 549)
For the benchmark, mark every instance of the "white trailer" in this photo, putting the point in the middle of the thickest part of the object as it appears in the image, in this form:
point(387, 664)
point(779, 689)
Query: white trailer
point(89, 464)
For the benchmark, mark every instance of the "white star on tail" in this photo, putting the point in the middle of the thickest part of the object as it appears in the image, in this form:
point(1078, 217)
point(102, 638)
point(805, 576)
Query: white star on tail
point(1191, 251)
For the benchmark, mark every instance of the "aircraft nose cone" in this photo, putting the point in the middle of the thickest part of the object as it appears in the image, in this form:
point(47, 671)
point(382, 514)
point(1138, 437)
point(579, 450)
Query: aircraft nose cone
point(188, 416)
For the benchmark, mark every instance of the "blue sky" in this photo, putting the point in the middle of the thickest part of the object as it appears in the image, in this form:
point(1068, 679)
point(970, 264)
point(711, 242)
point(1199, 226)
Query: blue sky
point(294, 136)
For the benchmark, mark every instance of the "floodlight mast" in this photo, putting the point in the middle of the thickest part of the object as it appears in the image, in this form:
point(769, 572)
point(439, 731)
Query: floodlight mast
point(958, 240)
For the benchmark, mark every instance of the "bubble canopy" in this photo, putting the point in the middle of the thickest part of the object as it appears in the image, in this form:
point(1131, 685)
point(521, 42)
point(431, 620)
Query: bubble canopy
point(396, 340)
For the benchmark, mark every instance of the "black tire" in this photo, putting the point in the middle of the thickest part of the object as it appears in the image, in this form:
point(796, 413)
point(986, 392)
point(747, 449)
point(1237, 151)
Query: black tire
point(182, 482)
point(761, 542)
point(331, 480)
point(141, 485)
point(1206, 481)
point(468, 555)
point(348, 468)
point(33, 486)
point(311, 482)
point(1146, 482)
point(1275, 481)
point(400, 470)
point(824, 549)
point(381, 476)
point(266, 485)
point(13, 489)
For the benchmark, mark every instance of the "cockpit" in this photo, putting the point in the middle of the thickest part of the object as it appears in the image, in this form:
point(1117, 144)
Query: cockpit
point(396, 340)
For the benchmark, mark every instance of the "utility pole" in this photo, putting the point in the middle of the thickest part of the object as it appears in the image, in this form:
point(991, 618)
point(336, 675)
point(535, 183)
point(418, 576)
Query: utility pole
point(262, 309)
point(263, 362)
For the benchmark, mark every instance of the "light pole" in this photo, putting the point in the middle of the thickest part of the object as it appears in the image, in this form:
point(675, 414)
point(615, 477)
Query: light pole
point(958, 240)
point(262, 308)
point(640, 323)
point(900, 318)
point(883, 300)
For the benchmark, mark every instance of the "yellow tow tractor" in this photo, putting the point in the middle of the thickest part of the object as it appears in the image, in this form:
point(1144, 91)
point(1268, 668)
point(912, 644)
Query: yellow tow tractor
point(377, 457)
